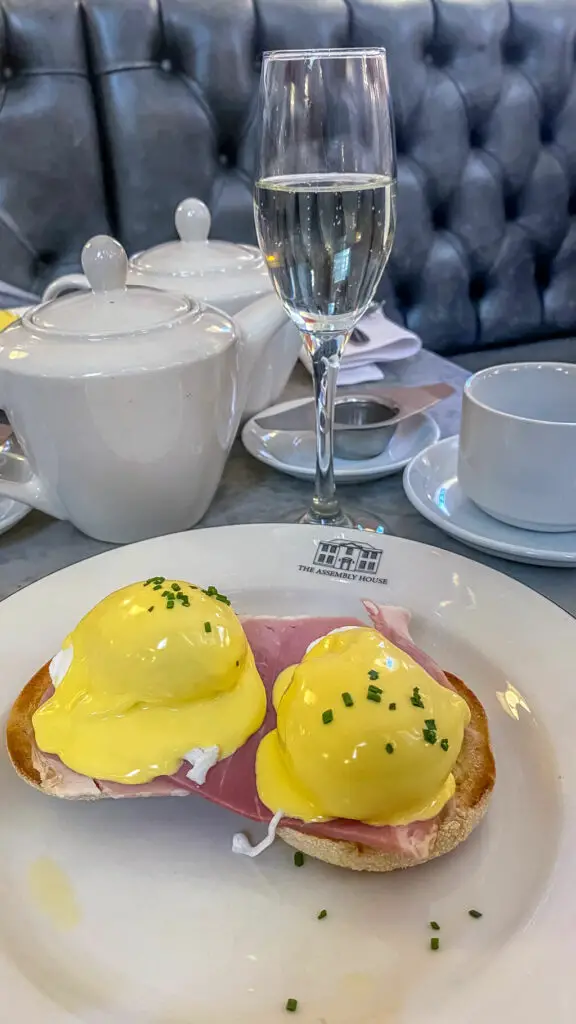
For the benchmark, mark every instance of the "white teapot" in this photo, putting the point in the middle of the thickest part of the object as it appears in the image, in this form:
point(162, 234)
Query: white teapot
point(126, 401)
point(224, 275)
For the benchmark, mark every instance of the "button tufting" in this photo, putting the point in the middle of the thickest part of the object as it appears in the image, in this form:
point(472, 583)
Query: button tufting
point(7, 74)
point(405, 294)
point(511, 207)
point(440, 218)
point(166, 65)
point(512, 52)
point(438, 53)
point(542, 273)
point(223, 159)
point(477, 288)
point(400, 140)
point(572, 205)
point(476, 139)
point(546, 133)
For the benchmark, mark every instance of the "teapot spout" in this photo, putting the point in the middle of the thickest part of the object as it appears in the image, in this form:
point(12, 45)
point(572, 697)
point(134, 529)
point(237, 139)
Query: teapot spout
point(257, 324)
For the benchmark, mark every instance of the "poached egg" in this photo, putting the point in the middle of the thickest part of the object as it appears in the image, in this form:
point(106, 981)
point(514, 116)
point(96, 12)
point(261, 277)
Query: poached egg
point(363, 732)
point(155, 671)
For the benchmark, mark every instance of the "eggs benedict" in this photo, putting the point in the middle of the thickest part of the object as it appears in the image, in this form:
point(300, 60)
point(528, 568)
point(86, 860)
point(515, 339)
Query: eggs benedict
point(362, 732)
point(368, 755)
point(157, 673)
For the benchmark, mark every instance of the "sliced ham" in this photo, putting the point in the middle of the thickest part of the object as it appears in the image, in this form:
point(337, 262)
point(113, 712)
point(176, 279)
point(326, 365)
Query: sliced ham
point(278, 643)
point(393, 623)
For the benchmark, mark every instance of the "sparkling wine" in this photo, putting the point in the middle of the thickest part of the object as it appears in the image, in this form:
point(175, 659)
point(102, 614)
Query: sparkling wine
point(326, 239)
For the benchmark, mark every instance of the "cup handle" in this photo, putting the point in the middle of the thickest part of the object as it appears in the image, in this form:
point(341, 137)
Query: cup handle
point(68, 283)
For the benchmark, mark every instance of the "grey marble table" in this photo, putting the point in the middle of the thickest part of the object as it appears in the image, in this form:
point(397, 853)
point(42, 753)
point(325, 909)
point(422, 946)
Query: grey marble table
point(252, 493)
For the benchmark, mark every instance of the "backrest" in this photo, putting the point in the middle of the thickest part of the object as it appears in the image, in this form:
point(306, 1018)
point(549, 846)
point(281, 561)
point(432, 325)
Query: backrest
point(485, 111)
point(51, 192)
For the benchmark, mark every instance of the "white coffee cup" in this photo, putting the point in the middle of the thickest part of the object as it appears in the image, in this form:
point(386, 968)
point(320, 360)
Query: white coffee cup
point(517, 457)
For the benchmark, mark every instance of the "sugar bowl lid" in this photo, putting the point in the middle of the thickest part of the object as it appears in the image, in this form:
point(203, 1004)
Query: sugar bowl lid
point(109, 308)
point(193, 256)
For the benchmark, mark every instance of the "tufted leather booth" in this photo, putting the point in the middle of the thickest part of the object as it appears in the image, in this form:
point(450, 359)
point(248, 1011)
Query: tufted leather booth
point(111, 111)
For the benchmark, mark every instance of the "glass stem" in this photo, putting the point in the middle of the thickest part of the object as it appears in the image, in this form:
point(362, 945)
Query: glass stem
point(325, 351)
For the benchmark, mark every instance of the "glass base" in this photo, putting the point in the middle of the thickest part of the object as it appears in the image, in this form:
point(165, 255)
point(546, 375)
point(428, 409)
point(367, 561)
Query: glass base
point(350, 518)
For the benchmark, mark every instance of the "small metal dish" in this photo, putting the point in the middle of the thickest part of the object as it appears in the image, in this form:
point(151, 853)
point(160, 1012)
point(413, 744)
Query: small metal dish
point(363, 426)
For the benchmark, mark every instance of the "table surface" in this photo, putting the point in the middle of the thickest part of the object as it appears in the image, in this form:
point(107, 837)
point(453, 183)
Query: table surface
point(252, 493)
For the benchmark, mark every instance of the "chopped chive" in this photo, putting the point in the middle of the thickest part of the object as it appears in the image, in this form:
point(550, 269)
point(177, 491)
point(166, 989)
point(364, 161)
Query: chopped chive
point(158, 586)
point(444, 744)
point(372, 695)
point(416, 699)
point(151, 609)
point(392, 707)
point(430, 724)
point(389, 748)
point(327, 716)
point(175, 586)
point(220, 597)
point(347, 698)
point(291, 1005)
point(170, 604)
point(298, 858)
point(322, 915)
point(207, 627)
point(435, 926)
point(429, 735)
point(435, 943)
point(375, 689)
point(373, 674)
point(476, 914)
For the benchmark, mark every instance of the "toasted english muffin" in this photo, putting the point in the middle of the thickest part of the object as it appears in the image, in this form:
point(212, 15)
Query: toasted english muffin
point(474, 771)
point(475, 774)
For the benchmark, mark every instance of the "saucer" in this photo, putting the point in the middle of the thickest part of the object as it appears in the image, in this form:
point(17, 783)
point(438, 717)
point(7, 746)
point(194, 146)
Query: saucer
point(294, 453)
point(431, 485)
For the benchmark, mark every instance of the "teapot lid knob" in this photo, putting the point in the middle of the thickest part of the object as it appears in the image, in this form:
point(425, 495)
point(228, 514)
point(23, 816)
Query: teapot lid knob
point(105, 264)
point(192, 220)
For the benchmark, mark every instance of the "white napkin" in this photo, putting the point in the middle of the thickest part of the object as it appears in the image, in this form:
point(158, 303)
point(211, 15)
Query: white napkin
point(388, 343)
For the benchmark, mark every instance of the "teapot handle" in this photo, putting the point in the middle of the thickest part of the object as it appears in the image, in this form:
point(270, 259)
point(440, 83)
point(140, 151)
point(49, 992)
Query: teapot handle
point(28, 491)
point(68, 283)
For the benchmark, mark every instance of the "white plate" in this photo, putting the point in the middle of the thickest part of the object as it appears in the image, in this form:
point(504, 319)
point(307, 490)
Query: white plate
point(167, 926)
point(431, 484)
point(294, 453)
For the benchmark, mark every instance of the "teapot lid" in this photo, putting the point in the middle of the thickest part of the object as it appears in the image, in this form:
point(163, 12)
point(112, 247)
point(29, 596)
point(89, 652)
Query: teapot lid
point(110, 308)
point(193, 255)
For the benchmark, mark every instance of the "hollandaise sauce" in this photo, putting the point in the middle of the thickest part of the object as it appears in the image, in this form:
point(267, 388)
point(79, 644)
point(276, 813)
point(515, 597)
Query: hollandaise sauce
point(154, 671)
point(53, 894)
point(363, 732)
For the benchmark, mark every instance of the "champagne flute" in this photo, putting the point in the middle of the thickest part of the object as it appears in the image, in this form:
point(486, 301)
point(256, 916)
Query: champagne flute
point(325, 207)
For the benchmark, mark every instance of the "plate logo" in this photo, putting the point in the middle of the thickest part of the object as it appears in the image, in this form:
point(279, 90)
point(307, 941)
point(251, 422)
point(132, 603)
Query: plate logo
point(346, 559)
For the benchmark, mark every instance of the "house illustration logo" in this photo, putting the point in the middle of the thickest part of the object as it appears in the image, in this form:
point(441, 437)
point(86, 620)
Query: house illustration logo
point(346, 560)
point(348, 556)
